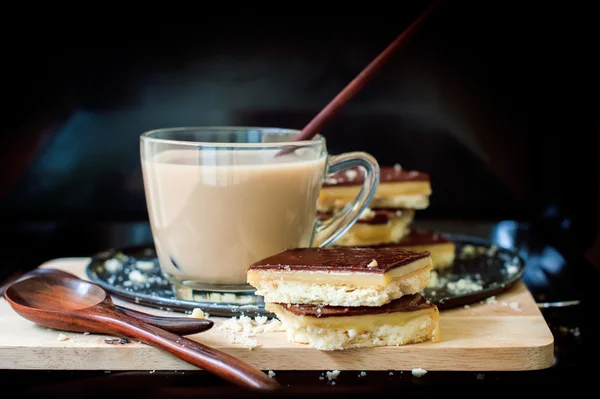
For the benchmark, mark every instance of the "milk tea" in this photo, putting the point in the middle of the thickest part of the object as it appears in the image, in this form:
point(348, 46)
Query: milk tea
point(213, 213)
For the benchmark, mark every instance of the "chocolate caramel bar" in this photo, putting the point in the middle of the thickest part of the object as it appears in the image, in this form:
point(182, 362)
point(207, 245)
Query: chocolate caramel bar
point(398, 188)
point(340, 276)
point(409, 319)
point(441, 248)
point(375, 226)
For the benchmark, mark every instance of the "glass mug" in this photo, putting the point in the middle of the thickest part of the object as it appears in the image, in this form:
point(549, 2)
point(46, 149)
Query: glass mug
point(222, 198)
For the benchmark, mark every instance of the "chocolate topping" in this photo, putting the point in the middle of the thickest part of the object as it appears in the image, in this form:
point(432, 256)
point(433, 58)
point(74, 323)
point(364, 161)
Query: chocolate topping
point(353, 259)
point(388, 174)
point(406, 303)
point(381, 216)
point(423, 237)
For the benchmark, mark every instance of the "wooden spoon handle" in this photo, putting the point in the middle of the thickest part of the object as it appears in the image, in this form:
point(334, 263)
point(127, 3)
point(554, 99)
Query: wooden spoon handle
point(360, 81)
point(212, 360)
point(176, 325)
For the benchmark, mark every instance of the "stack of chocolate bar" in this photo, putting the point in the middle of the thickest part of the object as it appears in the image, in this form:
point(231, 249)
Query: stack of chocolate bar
point(349, 297)
point(389, 217)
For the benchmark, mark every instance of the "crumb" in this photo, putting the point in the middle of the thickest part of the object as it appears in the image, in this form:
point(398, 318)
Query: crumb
point(121, 256)
point(197, 313)
point(511, 269)
point(467, 250)
point(113, 265)
point(366, 214)
point(419, 372)
point(321, 378)
point(575, 331)
point(463, 286)
point(242, 330)
point(399, 213)
point(492, 250)
point(271, 373)
point(249, 343)
point(491, 300)
point(86, 333)
point(332, 375)
point(397, 167)
point(373, 263)
point(362, 374)
point(144, 265)
point(391, 373)
point(332, 382)
point(466, 307)
point(351, 174)
point(514, 306)
point(62, 337)
point(330, 180)
point(480, 376)
point(137, 278)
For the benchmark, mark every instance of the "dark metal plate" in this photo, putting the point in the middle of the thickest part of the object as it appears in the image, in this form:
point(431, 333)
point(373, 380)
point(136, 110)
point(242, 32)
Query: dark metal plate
point(479, 271)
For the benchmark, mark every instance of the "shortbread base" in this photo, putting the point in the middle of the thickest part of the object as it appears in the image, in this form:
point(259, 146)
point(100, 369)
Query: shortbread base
point(408, 329)
point(407, 195)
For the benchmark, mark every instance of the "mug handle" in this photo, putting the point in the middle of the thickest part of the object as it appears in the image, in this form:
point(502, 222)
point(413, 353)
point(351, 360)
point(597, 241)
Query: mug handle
point(333, 228)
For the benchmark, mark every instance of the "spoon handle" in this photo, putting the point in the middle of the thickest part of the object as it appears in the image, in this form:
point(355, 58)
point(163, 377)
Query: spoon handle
point(176, 325)
point(209, 359)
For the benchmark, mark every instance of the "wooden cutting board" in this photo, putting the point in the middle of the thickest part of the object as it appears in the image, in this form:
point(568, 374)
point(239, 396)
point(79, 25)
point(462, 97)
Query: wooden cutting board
point(510, 334)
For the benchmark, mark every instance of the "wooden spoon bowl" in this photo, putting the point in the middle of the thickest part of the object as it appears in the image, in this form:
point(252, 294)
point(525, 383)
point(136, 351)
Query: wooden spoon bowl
point(174, 324)
point(76, 305)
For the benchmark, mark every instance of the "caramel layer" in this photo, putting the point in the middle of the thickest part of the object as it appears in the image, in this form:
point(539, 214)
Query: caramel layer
point(355, 322)
point(406, 303)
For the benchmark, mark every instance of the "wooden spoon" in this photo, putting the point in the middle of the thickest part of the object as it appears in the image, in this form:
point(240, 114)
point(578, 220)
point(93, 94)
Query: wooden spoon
point(360, 81)
point(76, 305)
point(176, 325)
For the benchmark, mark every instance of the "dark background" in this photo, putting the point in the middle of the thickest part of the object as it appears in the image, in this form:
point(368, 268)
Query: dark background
point(498, 101)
